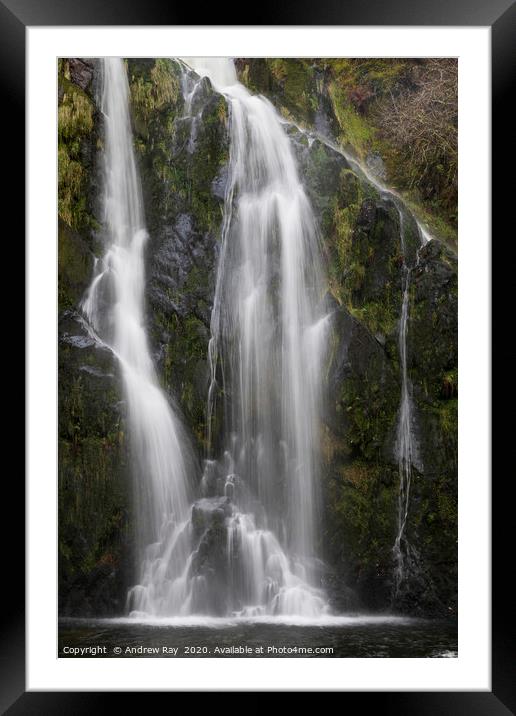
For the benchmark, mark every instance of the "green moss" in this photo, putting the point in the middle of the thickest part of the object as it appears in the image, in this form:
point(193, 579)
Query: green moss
point(379, 316)
point(431, 216)
point(154, 88)
point(75, 113)
point(448, 415)
point(75, 128)
point(174, 177)
point(356, 133)
point(361, 524)
point(185, 369)
point(295, 79)
point(290, 82)
point(211, 153)
point(92, 505)
point(345, 272)
point(370, 411)
point(447, 506)
point(450, 384)
point(76, 146)
point(71, 200)
point(372, 296)
point(74, 266)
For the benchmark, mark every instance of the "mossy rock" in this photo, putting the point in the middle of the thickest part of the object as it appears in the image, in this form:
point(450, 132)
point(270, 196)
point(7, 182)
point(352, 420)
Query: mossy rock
point(77, 138)
point(290, 83)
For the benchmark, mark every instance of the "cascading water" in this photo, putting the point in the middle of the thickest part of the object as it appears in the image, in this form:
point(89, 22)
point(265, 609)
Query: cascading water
point(114, 309)
point(406, 448)
point(268, 338)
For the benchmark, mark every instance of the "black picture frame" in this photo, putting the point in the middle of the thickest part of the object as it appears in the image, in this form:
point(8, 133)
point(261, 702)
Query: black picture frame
point(15, 17)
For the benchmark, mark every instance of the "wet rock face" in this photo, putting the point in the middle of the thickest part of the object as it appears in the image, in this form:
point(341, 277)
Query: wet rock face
point(94, 490)
point(183, 251)
point(359, 469)
point(209, 512)
point(432, 347)
point(81, 72)
point(210, 565)
point(357, 356)
point(361, 472)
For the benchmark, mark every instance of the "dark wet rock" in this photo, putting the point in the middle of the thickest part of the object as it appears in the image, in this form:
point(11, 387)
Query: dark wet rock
point(203, 94)
point(81, 72)
point(210, 562)
point(432, 344)
point(219, 184)
point(320, 167)
point(209, 512)
point(94, 491)
point(95, 371)
point(376, 165)
point(380, 338)
point(357, 357)
point(78, 341)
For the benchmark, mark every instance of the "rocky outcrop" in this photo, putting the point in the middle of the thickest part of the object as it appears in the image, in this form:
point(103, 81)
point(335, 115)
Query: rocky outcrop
point(81, 72)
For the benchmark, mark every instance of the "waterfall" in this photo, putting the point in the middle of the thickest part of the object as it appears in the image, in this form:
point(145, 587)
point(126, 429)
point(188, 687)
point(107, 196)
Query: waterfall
point(114, 307)
point(247, 546)
point(406, 449)
point(268, 339)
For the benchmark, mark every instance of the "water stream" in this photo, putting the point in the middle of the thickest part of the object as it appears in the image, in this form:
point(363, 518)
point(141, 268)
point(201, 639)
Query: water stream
point(114, 308)
point(406, 447)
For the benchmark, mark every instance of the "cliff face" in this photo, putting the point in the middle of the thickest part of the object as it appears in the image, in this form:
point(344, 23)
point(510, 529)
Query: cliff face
point(182, 148)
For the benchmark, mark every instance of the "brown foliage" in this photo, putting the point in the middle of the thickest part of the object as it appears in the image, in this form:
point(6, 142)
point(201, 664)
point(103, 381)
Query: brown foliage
point(420, 120)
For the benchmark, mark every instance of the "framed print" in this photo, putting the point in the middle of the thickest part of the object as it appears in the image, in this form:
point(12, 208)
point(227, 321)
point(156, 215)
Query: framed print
point(258, 355)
